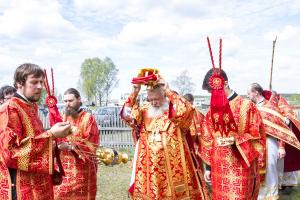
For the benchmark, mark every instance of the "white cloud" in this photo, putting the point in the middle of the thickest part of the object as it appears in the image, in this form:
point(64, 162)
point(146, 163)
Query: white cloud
point(95, 5)
point(47, 51)
point(169, 35)
point(287, 33)
point(34, 20)
point(144, 31)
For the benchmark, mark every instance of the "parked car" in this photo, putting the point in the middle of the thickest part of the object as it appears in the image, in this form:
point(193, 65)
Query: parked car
point(107, 115)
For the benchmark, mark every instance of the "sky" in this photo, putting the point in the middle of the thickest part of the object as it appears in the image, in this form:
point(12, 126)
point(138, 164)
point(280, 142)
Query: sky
point(168, 34)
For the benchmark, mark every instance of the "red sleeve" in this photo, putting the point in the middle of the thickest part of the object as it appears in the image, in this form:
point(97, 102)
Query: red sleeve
point(21, 150)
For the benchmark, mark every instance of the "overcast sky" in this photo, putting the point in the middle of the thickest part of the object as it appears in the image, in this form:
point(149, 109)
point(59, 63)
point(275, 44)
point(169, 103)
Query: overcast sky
point(169, 35)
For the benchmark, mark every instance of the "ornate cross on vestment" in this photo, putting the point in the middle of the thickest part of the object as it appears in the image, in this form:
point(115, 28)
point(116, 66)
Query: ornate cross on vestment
point(155, 136)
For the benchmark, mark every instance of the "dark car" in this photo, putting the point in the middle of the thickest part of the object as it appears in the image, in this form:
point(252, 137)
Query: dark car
point(108, 115)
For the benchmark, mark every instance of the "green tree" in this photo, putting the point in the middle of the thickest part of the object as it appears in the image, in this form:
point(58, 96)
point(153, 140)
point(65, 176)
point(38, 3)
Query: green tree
point(98, 77)
point(110, 80)
point(183, 83)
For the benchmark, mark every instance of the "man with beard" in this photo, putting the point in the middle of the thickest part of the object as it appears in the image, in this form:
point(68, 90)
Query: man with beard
point(162, 166)
point(78, 151)
point(26, 158)
point(278, 136)
point(232, 142)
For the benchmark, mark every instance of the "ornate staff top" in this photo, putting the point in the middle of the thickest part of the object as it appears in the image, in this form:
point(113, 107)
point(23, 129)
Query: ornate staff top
point(51, 101)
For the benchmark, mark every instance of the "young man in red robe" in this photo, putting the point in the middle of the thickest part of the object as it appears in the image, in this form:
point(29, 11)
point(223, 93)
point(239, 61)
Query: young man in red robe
point(78, 151)
point(233, 143)
point(26, 149)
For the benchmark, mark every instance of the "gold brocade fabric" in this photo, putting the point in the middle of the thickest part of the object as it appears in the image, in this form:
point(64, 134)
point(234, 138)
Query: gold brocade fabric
point(164, 168)
point(80, 168)
point(274, 123)
point(235, 168)
point(196, 125)
point(287, 111)
point(278, 109)
point(22, 150)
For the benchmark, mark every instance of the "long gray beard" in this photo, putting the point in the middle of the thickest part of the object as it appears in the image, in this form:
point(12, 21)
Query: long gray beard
point(157, 112)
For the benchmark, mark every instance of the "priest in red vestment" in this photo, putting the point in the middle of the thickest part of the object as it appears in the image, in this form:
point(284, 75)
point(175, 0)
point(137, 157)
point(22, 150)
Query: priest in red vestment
point(163, 167)
point(278, 136)
point(291, 165)
point(194, 133)
point(26, 149)
point(78, 151)
point(233, 142)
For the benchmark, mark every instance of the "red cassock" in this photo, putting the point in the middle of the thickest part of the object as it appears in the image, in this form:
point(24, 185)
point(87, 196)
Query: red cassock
point(290, 163)
point(280, 104)
point(193, 138)
point(274, 123)
point(235, 168)
point(27, 149)
point(80, 180)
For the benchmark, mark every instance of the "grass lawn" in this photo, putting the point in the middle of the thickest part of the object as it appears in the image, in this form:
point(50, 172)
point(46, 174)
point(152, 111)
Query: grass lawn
point(290, 194)
point(113, 183)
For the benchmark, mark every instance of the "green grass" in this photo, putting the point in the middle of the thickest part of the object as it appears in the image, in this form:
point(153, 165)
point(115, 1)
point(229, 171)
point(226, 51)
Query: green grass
point(290, 194)
point(113, 183)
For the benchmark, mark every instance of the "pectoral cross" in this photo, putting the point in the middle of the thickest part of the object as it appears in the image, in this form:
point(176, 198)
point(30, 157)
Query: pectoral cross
point(68, 163)
point(155, 140)
point(155, 137)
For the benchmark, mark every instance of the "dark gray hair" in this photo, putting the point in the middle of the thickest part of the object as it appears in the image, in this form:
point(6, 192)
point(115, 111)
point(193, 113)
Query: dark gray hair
point(256, 87)
point(189, 97)
point(72, 91)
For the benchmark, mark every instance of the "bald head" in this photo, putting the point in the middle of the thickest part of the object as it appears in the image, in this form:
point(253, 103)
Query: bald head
point(255, 92)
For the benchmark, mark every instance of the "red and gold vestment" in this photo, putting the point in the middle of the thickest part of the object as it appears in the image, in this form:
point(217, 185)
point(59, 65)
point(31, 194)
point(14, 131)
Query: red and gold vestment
point(291, 134)
point(80, 180)
point(235, 168)
point(25, 149)
point(164, 166)
point(274, 123)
